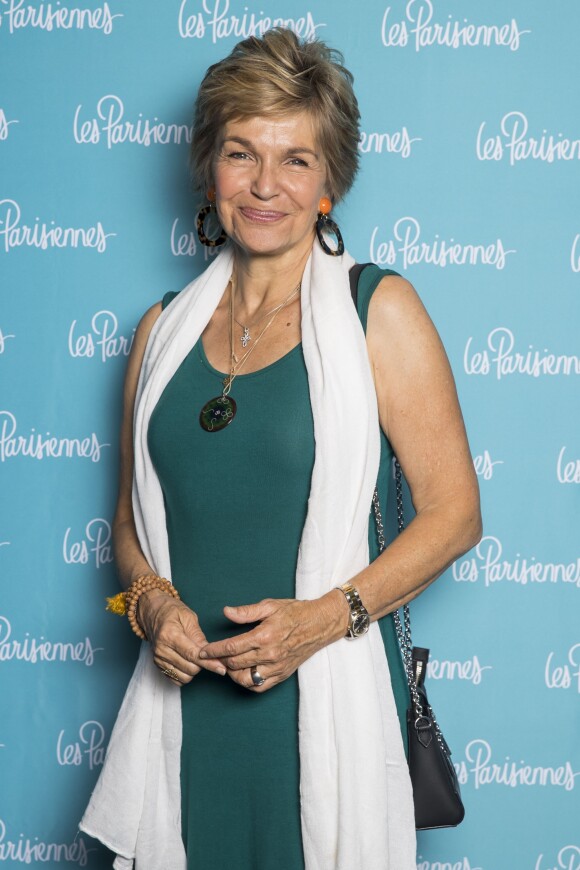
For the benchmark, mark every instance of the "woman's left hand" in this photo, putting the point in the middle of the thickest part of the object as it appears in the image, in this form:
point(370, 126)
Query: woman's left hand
point(289, 632)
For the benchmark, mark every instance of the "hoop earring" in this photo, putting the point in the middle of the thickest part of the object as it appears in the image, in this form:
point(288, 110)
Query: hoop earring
point(205, 240)
point(324, 223)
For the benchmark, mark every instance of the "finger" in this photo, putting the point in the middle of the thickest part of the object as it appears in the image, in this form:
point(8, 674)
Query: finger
point(244, 678)
point(174, 674)
point(189, 651)
point(270, 678)
point(240, 663)
point(252, 612)
point(186, 659)
point(230, 647)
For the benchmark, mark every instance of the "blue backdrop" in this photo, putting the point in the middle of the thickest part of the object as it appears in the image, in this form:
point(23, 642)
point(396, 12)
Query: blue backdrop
point(469, 186)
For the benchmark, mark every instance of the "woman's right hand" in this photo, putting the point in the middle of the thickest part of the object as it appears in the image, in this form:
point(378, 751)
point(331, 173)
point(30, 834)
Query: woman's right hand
point(176, 639)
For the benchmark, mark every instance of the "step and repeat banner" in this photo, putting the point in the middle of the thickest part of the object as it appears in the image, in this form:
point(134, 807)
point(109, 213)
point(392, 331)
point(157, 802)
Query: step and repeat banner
point(470, 187)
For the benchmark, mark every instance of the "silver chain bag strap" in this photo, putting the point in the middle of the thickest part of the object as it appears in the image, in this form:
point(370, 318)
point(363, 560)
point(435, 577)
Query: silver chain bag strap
point(436, 794)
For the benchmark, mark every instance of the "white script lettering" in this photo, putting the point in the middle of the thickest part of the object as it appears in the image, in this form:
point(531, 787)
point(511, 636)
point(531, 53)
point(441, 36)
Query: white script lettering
point(26, 850)
point(487, 564)
point(478, 766)
point(461, 864)
point(49, 16)
point(14, 234)
point(398, 142)
point(514, 141)
point(215, 20)
point(564, 676)
point(470, 670)
point(407, 242)
point(96, 541)
point(568, 859)
point(183, 245)
point(110, 123)
point(484, 465)
point(500, 358)
point(102, 339)
point(568, 472)
point(38, 446)
point(89, 746)
point(5, 125)
point(34, 650)
point(418, 23)
point(575, 254)
point(3, 339)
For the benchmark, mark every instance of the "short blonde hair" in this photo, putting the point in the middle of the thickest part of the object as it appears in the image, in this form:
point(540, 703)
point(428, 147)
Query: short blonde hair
point(278, 75)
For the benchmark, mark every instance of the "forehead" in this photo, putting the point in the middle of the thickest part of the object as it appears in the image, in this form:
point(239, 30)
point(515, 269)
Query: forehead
point(284, 132)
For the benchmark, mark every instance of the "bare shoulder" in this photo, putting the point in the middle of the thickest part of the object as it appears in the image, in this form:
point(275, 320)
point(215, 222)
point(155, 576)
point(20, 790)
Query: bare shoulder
point(395, 300)
point(143, 331)
point(140, 340)
point(398, 320)
point(147, 322)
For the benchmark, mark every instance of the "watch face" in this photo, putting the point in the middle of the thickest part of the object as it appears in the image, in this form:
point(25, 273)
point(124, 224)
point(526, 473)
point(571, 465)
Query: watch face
point(360, 624)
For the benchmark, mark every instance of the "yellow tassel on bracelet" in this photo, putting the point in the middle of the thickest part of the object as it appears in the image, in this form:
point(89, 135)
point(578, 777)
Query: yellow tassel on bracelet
point(117, 604)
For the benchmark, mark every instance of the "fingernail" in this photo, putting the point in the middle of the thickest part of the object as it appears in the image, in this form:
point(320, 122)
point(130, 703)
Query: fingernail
point(221, 671)
point(203, 654)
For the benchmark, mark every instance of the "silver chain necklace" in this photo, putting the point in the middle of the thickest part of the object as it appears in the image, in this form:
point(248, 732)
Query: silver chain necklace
point(246, 338)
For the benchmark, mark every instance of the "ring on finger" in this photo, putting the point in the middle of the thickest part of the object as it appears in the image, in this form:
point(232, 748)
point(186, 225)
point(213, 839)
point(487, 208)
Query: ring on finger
point(257, 678)
point(171, 673)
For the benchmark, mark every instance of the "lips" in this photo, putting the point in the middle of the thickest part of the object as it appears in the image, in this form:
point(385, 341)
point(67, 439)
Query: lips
point(260, 216)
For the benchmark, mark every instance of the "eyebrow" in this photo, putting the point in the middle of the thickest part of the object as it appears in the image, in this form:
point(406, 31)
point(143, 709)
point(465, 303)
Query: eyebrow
point(245, 143)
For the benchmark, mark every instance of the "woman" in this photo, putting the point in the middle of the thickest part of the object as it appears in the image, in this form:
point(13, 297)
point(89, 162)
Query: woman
point(256, 423)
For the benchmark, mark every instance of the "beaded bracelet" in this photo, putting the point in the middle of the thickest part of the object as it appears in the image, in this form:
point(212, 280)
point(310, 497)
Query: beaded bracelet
point(125, 603)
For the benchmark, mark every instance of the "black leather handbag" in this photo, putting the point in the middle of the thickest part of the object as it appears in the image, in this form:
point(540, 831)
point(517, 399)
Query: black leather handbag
point(436, 794)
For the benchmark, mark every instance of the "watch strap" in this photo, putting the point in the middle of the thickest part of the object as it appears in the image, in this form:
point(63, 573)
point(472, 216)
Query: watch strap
point(355, 604)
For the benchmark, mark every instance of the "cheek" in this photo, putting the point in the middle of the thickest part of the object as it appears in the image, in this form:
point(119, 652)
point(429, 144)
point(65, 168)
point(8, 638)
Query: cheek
point(226, 185)
point(308, 195)
point(229, 180)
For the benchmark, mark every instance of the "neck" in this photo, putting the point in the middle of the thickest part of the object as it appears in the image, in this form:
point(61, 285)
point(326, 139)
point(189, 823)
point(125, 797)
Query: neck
point(263, 282)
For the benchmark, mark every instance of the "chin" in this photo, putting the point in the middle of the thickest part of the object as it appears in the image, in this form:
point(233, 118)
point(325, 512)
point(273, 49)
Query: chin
point(263, 246)
point(268, 244)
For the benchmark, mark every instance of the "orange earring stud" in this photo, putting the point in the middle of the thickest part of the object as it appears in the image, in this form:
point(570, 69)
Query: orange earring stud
point(325, 225)
point(211, 194)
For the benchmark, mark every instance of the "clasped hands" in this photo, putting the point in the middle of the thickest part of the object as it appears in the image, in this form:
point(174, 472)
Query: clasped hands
point(288, 632)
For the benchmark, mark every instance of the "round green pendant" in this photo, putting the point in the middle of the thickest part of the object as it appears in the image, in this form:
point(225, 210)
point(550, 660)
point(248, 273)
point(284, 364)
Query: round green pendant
point(217, 413)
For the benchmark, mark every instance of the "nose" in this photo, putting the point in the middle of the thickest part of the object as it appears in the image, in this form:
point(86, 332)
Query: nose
point(265, 180)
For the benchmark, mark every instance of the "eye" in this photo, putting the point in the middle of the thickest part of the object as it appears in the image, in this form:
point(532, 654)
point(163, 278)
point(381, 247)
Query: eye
point(238, 155)
point(298, 161)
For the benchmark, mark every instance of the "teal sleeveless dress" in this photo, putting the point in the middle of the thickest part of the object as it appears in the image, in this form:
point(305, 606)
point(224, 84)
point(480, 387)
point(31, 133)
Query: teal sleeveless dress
point(235, 505)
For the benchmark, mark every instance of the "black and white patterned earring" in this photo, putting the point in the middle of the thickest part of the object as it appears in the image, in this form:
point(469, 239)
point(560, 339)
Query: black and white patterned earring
point(201, 216)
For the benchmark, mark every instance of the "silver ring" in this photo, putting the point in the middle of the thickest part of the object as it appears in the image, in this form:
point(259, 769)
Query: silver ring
point(257, 678)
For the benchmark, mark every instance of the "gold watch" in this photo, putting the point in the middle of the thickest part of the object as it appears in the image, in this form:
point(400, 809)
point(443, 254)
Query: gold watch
point(359, 619)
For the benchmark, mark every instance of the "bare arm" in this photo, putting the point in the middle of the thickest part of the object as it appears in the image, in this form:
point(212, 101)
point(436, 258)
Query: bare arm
point(128, 554)
point(419, 412)
point(172, 628)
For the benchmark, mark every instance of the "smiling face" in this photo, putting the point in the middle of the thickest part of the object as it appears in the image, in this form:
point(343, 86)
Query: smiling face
point(269, 176)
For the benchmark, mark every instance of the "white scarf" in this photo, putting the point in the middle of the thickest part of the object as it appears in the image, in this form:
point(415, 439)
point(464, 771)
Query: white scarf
point(357, 810)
